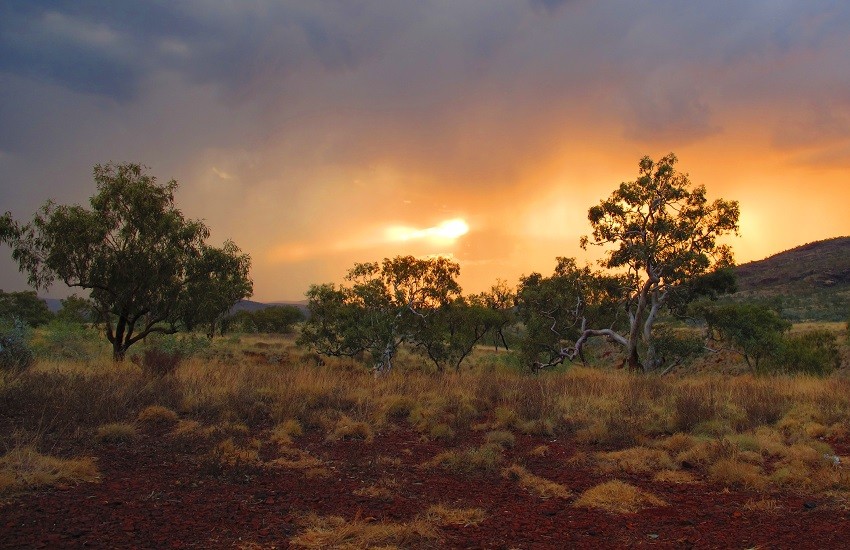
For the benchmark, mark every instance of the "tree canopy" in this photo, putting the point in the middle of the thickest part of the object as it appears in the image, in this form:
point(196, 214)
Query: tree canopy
point(381, 308)
point(25, 306)
point(662, 234)
point(144, 263)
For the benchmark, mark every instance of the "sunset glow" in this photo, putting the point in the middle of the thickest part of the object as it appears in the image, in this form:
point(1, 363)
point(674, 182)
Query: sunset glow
point(481, 129)
point(444, 233)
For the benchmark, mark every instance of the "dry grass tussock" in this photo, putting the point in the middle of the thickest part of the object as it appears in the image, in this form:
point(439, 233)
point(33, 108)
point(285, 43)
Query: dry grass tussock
point(541, 486)
point(774, 426)
point(422, 531)
point(116, 432)
point(617, 497)
point(636, 460)
point(24, 468)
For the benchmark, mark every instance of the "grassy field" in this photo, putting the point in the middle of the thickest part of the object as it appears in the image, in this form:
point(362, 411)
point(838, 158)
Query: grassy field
point(245, 395)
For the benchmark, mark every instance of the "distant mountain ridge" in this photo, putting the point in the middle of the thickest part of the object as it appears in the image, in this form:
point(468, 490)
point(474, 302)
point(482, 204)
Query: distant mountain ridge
point(812, 280)
point(55, 304)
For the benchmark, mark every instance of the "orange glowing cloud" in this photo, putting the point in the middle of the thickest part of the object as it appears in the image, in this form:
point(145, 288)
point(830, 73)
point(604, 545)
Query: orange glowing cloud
point(444, 233)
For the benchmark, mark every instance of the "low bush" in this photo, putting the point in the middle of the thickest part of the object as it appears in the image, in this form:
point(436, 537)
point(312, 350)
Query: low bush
point(15, 352)
point(813, 352)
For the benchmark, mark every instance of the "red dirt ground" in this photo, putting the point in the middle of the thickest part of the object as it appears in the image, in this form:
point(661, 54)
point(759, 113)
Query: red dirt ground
point(158, 492)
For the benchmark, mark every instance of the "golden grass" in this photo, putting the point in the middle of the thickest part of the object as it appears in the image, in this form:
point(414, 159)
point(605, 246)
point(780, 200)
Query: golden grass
point(541, 486)
point(116, 432)
point(733, 472)
point(24, 468)
point(157, 414)
point(347, 428)
point(439, 514)
point(335, 532)
point(484, 459)
point(636, 460)
point(617, 497)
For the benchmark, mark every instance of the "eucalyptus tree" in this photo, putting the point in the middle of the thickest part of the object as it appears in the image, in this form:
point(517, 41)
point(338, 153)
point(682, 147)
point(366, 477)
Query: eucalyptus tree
point(663, 235)
point(558, 312)
point(381, 307)
point(143, 262)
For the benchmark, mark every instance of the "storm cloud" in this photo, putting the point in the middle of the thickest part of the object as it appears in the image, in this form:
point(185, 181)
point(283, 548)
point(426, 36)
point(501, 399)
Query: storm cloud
point(301, 125)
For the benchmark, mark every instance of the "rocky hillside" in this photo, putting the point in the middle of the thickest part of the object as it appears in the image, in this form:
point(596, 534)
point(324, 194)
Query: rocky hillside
point(813, 280)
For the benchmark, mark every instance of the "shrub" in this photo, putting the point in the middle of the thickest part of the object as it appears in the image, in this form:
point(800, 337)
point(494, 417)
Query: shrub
point(69, 340)
point(15, 352)
point(813, 352)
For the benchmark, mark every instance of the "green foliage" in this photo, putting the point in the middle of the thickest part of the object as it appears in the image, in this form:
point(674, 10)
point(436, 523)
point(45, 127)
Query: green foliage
point(556, 310)
point(676, 347)
point(76, 310)
point(215, 282)
point(381, 309)
point(26, 306)
point(185, 345)
point(145, 264)
point(61, 339)
point(448, 334)
point(664, 233)
point(272, 319)
point(812, 352)
point(15, 352)
point(755, 330)
point(277, 319)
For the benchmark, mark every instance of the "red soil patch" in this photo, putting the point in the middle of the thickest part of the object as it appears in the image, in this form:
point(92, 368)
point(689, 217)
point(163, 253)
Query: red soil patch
point(162, 493)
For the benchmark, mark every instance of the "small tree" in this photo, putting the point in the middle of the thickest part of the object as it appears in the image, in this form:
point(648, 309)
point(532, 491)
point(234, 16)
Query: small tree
point(75, 310)
point(753, 330)
point(558, 310)
point(214, 283)
point(665, 235)
point(141, 259)
point(501, 300)
point(26, 306)
point(381, 309)
point(277, 319)
point(812, 352)
point(449, 334)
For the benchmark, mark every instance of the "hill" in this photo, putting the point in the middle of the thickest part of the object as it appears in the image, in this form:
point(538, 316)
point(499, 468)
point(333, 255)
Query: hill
point(812, 281)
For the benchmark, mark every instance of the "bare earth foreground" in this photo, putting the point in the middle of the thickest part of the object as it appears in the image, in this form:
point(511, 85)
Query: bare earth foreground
point(162, 490)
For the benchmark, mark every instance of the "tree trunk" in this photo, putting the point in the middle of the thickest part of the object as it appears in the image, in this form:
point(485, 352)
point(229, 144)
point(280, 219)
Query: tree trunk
point(119, 351)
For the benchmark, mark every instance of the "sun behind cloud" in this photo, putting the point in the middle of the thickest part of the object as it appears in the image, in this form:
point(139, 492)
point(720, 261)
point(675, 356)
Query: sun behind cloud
point(444, 233)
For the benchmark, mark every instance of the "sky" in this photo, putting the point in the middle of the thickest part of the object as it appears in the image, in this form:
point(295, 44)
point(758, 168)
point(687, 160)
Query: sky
point(320, 133)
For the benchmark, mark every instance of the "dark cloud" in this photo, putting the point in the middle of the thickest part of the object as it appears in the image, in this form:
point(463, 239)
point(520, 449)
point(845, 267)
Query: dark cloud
point(291, 110)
